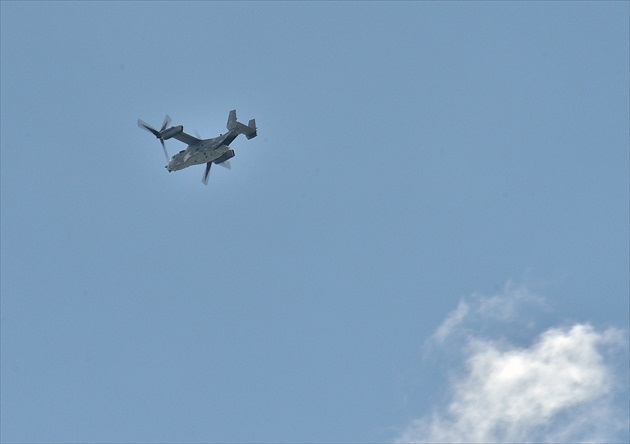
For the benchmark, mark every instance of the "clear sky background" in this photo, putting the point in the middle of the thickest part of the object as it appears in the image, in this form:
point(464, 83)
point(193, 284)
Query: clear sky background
point(427, 241)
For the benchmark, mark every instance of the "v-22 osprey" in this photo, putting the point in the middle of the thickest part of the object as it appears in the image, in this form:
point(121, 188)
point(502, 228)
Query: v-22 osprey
point(199, 151)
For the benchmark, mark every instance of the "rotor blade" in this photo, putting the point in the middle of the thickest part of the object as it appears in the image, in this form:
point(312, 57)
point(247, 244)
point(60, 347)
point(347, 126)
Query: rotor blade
point(148, 127)
point(226, 164)
point(168, 158)
point(167, 120)
point(207, 173)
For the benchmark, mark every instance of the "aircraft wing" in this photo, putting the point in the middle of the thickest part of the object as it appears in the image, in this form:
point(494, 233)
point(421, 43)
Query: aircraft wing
point(186, 138)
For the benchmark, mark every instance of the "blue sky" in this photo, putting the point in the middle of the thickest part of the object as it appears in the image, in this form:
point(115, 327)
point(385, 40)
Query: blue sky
point(432, 221)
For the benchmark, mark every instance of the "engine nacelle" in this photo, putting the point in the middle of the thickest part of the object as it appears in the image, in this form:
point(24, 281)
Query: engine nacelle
point(226, 156)
point(171, 132)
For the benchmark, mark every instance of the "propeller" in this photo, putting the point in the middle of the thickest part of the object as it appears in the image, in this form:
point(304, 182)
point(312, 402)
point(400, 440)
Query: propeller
point(207, 173)
point(157, 133)
point(224, 164)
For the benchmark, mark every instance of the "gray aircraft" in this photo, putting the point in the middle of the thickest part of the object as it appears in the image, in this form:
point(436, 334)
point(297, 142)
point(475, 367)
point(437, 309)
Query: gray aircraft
point(216, 150)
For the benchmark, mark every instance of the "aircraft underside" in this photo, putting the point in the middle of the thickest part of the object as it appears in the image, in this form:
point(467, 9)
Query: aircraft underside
point(195, 156)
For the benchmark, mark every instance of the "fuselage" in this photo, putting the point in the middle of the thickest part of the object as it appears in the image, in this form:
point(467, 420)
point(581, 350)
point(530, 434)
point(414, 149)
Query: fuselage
point(205, 151)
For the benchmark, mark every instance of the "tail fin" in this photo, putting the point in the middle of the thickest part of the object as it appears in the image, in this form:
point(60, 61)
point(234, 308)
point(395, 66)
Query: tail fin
point(234, 125)
point(252, 126)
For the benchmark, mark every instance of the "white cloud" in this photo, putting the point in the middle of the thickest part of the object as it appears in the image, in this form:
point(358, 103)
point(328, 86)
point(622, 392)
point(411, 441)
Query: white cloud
point(480, 311)
point(560, 388)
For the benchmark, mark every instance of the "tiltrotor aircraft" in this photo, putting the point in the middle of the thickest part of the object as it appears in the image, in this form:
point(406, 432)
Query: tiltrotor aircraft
point(216, 150)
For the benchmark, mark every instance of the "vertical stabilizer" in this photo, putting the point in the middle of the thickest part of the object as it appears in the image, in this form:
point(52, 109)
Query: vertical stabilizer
point(231, 123)
point(252, 129)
